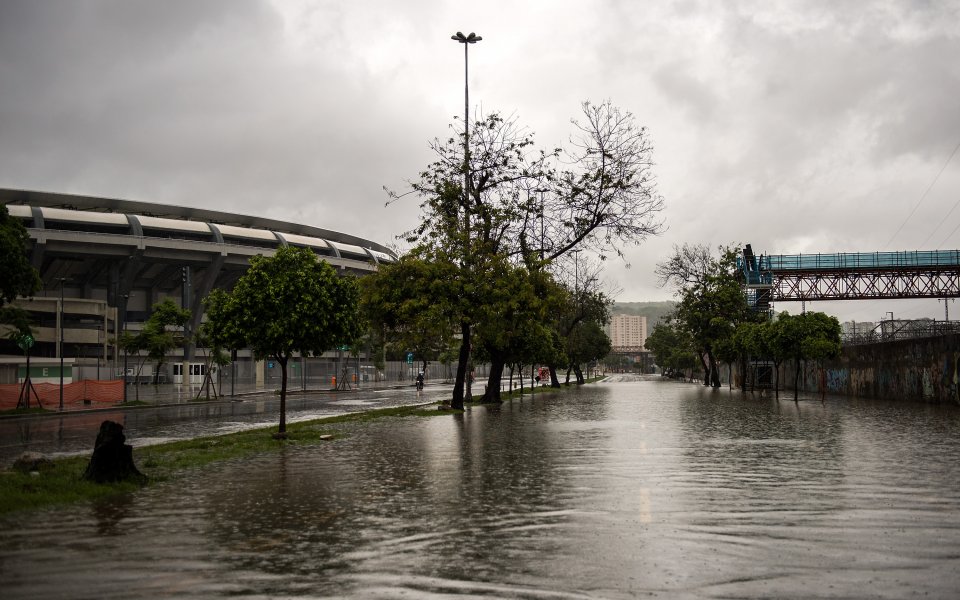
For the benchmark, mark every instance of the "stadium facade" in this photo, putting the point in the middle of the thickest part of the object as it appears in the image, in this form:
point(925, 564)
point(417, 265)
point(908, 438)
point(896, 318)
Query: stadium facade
point(111, 260)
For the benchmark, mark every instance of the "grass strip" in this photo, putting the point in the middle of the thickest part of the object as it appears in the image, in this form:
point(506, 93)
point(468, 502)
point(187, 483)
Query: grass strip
point(61, 483)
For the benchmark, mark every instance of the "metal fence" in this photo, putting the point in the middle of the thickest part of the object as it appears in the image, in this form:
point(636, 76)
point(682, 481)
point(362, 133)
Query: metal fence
point(901, 329)
point(860, 260)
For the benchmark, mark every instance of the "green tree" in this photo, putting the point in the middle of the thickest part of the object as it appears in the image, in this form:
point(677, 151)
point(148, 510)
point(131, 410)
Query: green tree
point(289, 303)
point(17, 275)
point(711, 303)
point(570, 306)
point(810, 335)
point(162, 337)
point(519, 205)
point(157, 338)
point(586, 343)
point(211, 341)
point(673, 348)
point(413, 304)
point(14, 322)
point(760, 340)
point(512, 325)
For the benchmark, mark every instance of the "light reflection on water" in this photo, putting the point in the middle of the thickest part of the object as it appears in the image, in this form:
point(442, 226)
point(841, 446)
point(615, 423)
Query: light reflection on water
point(613, 491)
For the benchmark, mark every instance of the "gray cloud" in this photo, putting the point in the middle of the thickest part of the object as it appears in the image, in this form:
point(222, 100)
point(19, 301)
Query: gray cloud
point(796, 126)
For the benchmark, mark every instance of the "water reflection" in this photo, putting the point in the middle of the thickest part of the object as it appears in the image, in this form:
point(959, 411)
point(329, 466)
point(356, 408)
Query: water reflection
point(74, 433)
point(614, 491)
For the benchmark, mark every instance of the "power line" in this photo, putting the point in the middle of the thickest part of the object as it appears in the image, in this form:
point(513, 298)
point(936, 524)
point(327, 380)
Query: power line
point(949, 236)
point(919, 202)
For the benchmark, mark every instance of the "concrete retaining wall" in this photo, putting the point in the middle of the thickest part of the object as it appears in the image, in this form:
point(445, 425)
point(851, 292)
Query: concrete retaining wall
point(920, 370)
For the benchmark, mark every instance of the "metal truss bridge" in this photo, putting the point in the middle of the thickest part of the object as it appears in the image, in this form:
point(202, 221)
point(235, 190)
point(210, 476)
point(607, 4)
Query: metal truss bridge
point(849, 276)
point(627, 350)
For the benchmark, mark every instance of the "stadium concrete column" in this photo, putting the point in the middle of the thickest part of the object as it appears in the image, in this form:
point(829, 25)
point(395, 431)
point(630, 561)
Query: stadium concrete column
point(186, 290)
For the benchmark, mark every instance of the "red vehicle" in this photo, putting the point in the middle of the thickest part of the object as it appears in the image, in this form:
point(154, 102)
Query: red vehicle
point(543, 374)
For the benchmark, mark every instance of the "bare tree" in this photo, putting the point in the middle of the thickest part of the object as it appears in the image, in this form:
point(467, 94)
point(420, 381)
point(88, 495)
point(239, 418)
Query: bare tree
point(688, 265)
point(607, 198)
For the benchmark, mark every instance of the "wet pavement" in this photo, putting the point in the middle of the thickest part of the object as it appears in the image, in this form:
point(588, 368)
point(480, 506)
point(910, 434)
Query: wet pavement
point(174, 416)
point(622, 489)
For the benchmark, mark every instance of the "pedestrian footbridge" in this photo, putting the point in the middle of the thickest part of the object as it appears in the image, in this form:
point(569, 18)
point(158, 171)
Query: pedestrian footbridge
point(849, 275)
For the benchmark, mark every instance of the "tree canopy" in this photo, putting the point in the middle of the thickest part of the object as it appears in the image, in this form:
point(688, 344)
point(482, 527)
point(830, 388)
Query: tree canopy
point(809, 335)
point(17, 275)
point(524, 209)
point(673, 348)
point(711, 301)
point(289, 303)
point(157, 337)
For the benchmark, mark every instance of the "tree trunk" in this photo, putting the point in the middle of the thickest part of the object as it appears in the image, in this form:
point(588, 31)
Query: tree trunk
point(494, 379)
point(136, 380)
point(796, 379)
point(579, 373)
point(744, 360)
point(458, 386)
point(706, 368)
point(554, 380)
point(569, 369)
point(714, 370)
point(282, 431)
point(776, 380)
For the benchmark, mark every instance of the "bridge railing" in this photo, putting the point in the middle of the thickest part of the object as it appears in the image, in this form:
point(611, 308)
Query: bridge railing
point(889, 331)
point(859, 260)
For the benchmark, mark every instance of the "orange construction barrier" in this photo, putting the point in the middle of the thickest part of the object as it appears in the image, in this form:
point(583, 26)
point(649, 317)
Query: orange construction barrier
point(76, 395)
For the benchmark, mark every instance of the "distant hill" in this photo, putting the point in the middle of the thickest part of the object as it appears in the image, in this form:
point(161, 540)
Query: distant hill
point(653, 311)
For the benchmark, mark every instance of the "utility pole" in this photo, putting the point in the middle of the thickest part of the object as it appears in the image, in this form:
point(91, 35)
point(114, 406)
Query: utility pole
point(60, 341)
point(946, 307)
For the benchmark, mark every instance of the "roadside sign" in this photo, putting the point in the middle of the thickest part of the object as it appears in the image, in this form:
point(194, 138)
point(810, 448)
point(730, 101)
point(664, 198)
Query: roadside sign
point(409, 358)
point(25, 341)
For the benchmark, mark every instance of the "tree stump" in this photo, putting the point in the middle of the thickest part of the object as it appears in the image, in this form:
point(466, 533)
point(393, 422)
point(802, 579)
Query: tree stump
point(112, 459)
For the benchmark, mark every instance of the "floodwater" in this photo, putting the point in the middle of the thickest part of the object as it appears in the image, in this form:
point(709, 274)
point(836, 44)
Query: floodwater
point(74, 433)
point(622, 489)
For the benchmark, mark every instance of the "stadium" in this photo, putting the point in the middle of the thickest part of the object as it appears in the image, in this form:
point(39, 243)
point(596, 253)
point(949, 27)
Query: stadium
point(105, 262)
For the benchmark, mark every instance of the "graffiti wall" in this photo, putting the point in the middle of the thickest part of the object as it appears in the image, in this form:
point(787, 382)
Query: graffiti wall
point(920, 370)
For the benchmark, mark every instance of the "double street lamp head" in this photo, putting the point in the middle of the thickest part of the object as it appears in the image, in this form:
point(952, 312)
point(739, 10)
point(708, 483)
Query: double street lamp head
point(466, 39)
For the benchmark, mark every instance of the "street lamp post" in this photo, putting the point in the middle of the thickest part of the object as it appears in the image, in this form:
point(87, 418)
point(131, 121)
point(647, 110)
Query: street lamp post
point(466, 40)
point(60, 344)
point(123, 334)
point(99, 349)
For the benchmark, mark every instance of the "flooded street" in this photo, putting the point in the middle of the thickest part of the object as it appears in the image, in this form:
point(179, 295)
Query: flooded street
point(623, 489)
point(73, 433)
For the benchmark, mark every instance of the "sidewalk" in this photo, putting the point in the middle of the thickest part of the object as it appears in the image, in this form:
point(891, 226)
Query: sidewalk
point(174, 393)
point(171, 394)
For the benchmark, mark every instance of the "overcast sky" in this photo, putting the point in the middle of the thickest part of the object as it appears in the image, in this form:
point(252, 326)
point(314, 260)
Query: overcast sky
point(795, 126)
